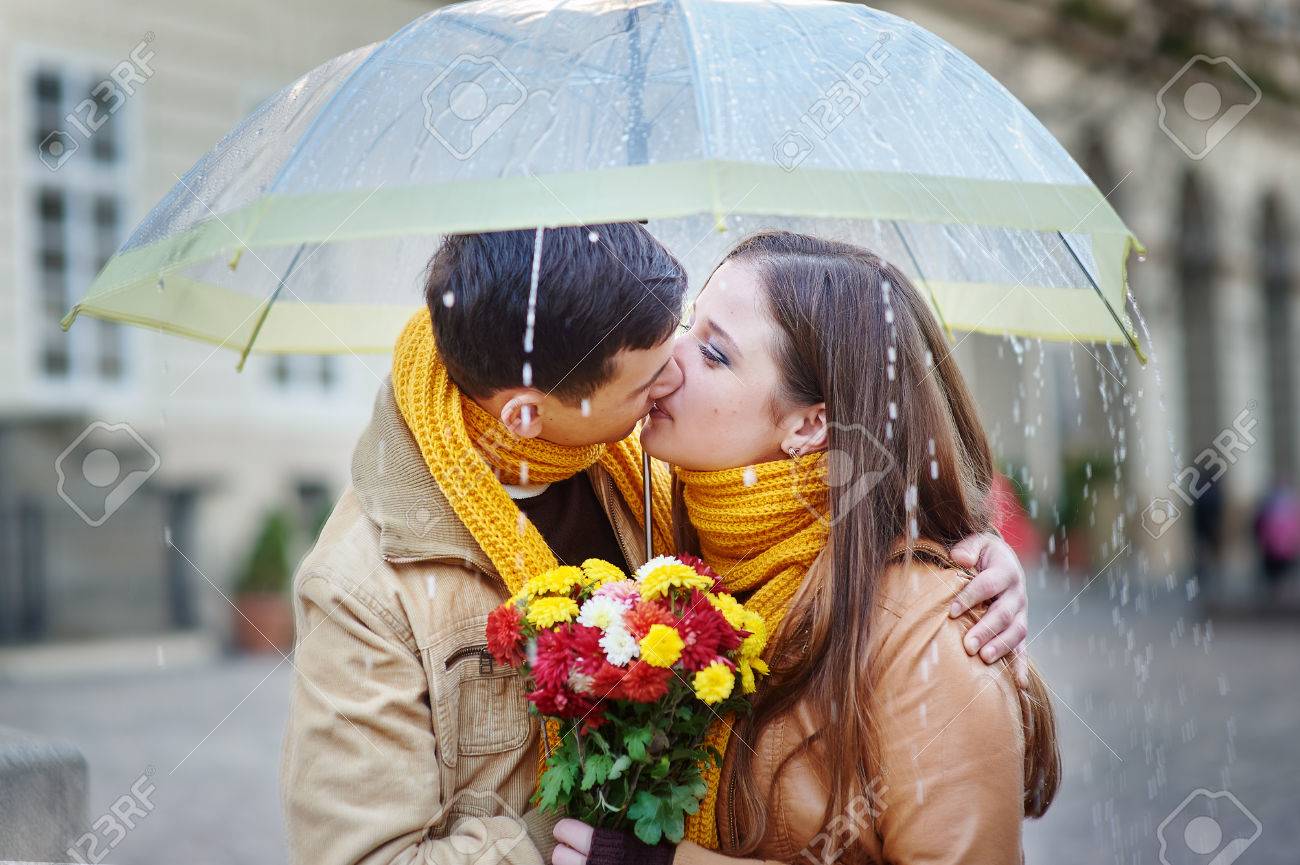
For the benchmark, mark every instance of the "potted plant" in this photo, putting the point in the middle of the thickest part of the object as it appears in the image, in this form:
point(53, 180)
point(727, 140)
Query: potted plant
point(264, 615)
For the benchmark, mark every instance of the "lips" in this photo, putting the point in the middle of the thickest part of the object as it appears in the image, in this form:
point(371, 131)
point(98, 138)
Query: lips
point(657, 412)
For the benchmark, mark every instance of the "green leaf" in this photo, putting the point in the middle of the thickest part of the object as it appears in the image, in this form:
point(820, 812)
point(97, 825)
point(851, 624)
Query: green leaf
point(620, 766)
point(596, 770)
point(660, 769)
point(645, 811)
point(636, 741)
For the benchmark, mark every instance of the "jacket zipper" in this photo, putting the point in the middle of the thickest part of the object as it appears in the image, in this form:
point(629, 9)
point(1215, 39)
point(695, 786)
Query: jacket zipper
point(614, 518)
point(485, 661)
point(731, 809)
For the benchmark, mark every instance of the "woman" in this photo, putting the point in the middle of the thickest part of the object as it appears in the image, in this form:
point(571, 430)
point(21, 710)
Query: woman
point(827, 455)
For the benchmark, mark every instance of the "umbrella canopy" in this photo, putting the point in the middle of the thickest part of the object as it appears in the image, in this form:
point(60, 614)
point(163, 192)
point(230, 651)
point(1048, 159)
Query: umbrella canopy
point(307, 227)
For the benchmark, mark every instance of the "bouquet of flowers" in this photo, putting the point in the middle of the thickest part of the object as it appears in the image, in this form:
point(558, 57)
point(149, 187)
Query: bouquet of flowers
point(633, 670)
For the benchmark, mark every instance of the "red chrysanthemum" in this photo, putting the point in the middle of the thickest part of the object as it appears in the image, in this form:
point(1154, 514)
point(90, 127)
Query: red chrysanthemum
point(504, 636)
point(563, 649)
point(707, 634)
point(646, 613)
point(702, 569)
point(645, 683)
point(607, 682)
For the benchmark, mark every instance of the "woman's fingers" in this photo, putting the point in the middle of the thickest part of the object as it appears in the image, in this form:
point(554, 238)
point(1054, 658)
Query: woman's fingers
point(574, 834)
point(997, 569)
point(987, 585)
point(1008, 641)
point(563, 855)
point(1000, 618)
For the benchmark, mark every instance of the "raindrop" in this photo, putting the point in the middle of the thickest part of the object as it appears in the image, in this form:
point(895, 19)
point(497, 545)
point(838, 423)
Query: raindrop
point(523, 472)
point(893, 410)
point(448, 298)
point(750, 476)
point(934, 470)
point(930, 447)
point(532, 297)
point(521, 522)
point(889, 430)
point(167, 536)
point(162, 662)
point(892, 353)
point(586, 403)
point(889, 316)
point(929, 360)
point(528, 374)
point(431, 585)
point(889, 370)
point(593, 236)
point(910, 497)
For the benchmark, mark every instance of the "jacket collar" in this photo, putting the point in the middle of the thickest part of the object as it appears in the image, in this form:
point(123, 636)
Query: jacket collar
point(397, 493)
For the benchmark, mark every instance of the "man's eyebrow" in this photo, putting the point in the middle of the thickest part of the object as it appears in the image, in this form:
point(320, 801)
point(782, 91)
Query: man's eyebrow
point(654, 377)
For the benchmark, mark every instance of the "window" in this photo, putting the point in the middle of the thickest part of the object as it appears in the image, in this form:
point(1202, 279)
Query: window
point(77, 204)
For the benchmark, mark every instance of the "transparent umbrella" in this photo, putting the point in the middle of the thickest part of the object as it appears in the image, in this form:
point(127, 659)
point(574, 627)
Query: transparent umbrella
point(307, 227)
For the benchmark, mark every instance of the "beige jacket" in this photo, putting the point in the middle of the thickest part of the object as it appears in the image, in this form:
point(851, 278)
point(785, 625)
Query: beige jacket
point(405, 742)
point(950, 787)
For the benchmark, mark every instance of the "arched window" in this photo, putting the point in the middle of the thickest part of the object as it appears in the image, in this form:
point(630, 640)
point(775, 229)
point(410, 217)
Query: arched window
point(1277, 279)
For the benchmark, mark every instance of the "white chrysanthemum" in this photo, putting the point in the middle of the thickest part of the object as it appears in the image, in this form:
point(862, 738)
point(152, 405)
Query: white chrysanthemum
point(619, 645)
point(649, 566)
point(601, 611)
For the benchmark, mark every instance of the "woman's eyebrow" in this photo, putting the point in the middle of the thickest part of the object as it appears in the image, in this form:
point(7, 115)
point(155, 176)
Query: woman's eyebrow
point(722, 335)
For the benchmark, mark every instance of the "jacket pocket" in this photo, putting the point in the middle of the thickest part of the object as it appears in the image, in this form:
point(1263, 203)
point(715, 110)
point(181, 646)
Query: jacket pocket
point(478, 705)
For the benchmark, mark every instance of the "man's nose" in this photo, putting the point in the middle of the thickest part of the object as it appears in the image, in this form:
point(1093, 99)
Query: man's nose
point(669, 380)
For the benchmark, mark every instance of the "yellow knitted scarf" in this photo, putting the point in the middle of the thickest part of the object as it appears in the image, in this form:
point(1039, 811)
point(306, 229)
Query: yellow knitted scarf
point(760, 528)
point(468, 450)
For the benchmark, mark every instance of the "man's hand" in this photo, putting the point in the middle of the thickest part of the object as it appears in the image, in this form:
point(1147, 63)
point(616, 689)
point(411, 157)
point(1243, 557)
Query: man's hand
point(999, 578)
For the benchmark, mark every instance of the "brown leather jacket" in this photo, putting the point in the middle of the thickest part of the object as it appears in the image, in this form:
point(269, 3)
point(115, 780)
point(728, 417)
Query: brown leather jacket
point(950, 787)
point(405, 742)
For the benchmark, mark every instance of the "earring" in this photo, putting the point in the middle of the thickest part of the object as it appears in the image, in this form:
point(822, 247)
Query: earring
point(794, 452)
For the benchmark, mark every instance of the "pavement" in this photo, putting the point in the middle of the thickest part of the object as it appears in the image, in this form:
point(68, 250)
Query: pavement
point(1153, 704)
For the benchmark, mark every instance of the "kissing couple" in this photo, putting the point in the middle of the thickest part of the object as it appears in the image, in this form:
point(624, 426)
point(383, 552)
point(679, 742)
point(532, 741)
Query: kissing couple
point(816, 446)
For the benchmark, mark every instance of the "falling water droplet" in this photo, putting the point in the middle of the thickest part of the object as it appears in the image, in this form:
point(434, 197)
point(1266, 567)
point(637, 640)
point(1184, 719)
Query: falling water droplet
point(431, 585)
point(448, 298)
point(889, 370)
point(930, 446)
point(929, 360)
point(889, 430)
point(532, 295)
point(593, 236)
point(521, 522)
point(162, 662)
point(750, 476)
point(893, 410)
point(586, 403)
point(167, 536)
point(523, 472)
point(892, 353)
point(528, 374)
point(889, 316)
point(934, 470)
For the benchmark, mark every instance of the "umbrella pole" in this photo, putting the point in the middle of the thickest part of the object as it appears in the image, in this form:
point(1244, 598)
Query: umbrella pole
point(645, 502)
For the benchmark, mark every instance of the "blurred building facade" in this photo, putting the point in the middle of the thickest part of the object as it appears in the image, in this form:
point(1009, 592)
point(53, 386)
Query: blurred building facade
point(1092, 449)
point(1218, 288)
point(134, 94)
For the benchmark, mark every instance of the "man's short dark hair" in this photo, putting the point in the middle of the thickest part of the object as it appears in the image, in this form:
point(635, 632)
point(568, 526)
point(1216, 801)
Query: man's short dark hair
point(600, 289)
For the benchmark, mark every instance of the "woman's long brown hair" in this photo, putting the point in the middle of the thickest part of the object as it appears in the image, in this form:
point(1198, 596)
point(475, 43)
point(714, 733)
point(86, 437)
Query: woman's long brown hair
point(854, 333)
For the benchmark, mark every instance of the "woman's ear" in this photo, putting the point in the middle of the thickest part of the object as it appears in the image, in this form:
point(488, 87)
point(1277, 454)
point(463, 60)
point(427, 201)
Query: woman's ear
point(807, 430)
point(522, 413)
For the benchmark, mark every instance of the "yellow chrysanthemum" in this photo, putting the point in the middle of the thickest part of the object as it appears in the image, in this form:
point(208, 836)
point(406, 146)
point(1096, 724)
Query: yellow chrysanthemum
point(731, 609)
point(556, 581)
point(661, 646)
point(747, 670)
point(713, 684)
point(658, 580)
point(545, 612)
point(599, 572)
point(753, 645)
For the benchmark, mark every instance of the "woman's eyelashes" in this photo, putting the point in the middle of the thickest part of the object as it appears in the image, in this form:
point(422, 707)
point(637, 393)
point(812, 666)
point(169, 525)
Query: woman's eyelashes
point(712, 356)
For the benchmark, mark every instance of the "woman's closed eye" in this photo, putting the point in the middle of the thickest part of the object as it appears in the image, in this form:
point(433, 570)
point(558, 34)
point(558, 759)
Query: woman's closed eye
point(712, 356)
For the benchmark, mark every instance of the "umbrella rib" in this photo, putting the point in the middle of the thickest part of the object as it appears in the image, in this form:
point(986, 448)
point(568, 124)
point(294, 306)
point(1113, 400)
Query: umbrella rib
point(266, 309)
point(1128, 333)
point(907, 247)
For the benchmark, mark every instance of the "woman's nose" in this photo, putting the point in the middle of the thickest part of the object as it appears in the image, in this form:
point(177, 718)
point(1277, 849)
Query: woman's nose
point(669, 380)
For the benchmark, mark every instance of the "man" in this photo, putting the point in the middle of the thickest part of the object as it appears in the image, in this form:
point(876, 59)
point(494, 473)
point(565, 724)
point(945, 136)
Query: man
point(495, 450)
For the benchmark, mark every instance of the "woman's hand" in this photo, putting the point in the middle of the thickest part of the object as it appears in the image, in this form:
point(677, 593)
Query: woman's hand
point(573, 839)
point(580, 844)
point(999, 578)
